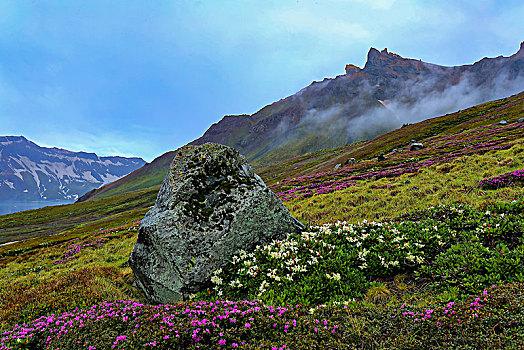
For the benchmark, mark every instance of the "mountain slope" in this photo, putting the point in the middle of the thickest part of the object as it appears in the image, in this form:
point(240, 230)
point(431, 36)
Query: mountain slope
point(31, 172)
point(151, 174)
point(363, 103)
point(310, 164)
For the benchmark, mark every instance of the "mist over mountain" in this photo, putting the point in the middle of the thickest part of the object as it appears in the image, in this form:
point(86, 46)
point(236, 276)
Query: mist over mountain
point(31, 172)
point(386, 93)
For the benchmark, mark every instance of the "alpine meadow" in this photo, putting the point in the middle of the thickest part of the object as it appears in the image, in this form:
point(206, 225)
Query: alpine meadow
point(262, 175)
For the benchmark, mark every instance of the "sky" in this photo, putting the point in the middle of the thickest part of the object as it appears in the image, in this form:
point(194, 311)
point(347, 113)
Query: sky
point(140, 78)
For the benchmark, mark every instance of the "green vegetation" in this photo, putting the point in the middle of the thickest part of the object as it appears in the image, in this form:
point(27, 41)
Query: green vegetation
point(412, 252)
point(451, 248)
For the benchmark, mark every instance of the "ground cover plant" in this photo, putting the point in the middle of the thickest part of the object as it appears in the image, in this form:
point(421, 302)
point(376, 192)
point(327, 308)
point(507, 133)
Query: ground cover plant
point(490, 320)
point(451, 248)
point(417, 251)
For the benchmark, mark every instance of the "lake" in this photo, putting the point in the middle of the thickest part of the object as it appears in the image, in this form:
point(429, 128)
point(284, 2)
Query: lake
point(8, 207)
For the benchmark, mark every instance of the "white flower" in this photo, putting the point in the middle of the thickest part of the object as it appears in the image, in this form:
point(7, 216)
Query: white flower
point(216, 280)
point(236, 283)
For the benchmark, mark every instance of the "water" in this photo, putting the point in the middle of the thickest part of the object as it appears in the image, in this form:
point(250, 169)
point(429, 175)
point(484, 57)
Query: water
point(8, 207)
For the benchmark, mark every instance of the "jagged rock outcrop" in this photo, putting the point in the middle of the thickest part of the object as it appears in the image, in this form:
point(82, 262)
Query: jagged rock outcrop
point(210, 205)
point(352, 69)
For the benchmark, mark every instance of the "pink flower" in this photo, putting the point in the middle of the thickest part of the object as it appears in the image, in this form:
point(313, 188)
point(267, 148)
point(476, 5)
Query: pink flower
point(222, 342)
point(247, 325)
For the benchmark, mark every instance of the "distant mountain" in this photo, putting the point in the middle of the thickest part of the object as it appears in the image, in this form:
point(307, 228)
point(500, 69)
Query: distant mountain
point(31, 172)
point(151, 174)
point(365, 102)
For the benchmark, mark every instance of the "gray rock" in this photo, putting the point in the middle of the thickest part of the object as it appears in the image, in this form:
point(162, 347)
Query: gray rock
point(503, 122)
point(416, 146)
point(337, 166)
point(521, 120)
point(210, 205)
point(350, 161)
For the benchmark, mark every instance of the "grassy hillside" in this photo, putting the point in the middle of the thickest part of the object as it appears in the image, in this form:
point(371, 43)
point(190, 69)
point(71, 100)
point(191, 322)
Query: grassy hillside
point(428, 255)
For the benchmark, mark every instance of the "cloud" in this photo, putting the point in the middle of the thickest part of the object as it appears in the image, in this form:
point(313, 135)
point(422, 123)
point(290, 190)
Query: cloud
point(320, 25)
point(378, 4)
point(426, 102)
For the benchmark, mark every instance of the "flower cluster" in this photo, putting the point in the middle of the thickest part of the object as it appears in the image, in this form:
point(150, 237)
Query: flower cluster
point(334, 261)
point(221, 323)
point(75, 249)
point(504, 180)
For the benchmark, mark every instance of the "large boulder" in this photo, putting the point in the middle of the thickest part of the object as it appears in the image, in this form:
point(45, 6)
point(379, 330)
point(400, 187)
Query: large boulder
point(210, 205)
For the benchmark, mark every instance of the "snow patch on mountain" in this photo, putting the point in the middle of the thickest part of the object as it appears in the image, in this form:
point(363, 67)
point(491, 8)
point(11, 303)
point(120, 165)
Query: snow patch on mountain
point(32, 172)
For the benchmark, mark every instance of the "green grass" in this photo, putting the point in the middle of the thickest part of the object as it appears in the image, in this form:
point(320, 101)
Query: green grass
point(447, 184)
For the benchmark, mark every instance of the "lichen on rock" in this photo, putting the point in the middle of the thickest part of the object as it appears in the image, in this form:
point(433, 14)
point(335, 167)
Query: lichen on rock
point(210, 205)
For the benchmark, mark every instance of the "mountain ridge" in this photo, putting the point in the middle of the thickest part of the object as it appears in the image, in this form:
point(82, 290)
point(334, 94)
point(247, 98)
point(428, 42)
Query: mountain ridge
point(31, 172)
point(324, 160)
point(290, 126)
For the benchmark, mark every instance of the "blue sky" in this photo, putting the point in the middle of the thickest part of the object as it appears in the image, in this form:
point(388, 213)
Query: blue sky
point(139, 78)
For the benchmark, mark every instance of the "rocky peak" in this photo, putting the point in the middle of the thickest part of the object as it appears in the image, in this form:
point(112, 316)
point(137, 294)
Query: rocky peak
point(382, 58)
point(352, 69)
